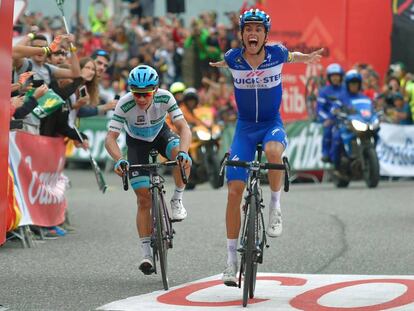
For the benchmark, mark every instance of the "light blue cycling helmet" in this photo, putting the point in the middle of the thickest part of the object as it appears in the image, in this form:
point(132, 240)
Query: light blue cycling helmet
point(334, 69)
point(255, 16)
point(142, 77)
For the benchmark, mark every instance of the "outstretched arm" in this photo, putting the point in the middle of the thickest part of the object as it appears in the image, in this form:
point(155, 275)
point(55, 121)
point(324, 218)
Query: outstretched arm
point(311, 58)
point(222, 64)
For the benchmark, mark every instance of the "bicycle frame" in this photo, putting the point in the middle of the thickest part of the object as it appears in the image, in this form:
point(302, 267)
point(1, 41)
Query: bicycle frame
point(162, 231)
point(253, 235)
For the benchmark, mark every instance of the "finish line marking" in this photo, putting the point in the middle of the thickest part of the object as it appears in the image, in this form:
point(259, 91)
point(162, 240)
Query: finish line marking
point(315, 292)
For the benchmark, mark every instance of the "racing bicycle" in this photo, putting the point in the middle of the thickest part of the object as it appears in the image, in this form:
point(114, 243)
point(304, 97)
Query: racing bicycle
point(162, 231)
point(253, 235)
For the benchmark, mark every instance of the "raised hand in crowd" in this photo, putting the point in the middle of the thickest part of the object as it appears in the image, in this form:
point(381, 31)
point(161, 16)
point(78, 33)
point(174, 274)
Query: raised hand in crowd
point(108, 106)
point(84, 145)
point(82, 101)
point(22, 81)
point(17, 101)
point(24, 77)
point(40, 91)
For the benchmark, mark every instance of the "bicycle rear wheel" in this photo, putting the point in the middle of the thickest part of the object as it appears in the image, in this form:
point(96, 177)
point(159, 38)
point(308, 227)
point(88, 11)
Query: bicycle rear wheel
point(162, 240)
point(250, 272)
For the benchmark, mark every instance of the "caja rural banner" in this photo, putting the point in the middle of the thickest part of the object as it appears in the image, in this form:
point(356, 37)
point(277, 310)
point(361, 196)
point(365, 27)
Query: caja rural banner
point(37, 163)
point(350, 31)
point(395, 150)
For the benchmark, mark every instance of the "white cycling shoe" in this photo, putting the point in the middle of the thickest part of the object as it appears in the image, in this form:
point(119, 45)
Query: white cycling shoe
point(147, 266)
point(274, 229)
point(178, 211)
point(229, 275)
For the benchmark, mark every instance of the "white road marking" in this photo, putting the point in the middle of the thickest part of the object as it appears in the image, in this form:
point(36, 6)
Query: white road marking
point(283, 292)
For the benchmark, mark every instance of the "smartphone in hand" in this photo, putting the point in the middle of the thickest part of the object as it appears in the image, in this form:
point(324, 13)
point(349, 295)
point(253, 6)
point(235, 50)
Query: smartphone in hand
point(38, 83)
point(82, 91)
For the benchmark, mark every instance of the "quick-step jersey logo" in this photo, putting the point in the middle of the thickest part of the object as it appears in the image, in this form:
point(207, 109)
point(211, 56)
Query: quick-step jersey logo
point(261, 79)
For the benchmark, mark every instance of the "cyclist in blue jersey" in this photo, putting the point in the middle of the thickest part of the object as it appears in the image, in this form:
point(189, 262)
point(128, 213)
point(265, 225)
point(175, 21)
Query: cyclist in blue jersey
point(327, 95)
point(142, 113)
point(257, 73)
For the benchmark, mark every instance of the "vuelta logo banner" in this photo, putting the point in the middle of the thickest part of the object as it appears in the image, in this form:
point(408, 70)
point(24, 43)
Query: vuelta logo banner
point(350, 31)
point(38, 163)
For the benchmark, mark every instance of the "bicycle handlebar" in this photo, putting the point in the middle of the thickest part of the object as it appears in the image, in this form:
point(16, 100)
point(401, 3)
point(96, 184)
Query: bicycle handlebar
point(152, 166)
point(267, 166)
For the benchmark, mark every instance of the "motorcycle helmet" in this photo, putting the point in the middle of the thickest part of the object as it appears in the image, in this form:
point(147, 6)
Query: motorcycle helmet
point(353, 76)
point(334, 69)
point(142, 77)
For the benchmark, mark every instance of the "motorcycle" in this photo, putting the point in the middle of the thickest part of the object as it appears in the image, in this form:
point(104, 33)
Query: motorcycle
point(358, 129)
point(204, 149)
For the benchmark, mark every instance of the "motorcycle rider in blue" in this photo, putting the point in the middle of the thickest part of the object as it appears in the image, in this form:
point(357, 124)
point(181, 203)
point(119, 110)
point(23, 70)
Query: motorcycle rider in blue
point(327, 95)
point(348, 101)
point(257, 73)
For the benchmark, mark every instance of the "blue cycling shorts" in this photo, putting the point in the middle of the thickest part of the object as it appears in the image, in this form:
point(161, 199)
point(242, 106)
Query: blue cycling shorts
point(246, 137)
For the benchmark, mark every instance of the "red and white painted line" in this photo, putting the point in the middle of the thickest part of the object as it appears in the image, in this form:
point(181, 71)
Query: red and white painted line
point(283, 292)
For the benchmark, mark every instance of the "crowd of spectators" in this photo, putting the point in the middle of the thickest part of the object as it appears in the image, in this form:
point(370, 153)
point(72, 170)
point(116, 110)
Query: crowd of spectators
point(86, 72)
point(395, 98)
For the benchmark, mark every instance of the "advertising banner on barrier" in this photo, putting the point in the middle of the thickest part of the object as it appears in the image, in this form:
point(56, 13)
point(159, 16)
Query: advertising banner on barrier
point(395, 150)
point(305, 146)
point(95, 128)
point(37, 163)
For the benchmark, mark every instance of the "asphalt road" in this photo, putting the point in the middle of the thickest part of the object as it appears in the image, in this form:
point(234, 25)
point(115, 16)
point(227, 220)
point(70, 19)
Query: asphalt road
point(326, 231)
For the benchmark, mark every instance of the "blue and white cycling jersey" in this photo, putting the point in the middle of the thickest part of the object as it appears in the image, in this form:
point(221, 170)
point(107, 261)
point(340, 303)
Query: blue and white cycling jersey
point(258, 91)
point(258, 96)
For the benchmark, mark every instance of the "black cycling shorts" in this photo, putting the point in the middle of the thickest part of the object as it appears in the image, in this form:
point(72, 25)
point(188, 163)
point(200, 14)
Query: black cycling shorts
point(139, 150)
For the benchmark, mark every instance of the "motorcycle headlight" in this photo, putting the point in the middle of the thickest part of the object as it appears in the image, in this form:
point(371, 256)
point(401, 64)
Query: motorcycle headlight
point(375, 125)
point(203, 135)
point(359, 126)
point(216, 132)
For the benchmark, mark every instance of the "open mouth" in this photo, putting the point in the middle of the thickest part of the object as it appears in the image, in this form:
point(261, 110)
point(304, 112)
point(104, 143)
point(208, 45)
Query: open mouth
point(253, 42)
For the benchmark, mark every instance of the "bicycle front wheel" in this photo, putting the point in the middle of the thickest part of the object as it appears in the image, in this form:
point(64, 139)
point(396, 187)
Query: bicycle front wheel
point(161, 235)
point(250, 270)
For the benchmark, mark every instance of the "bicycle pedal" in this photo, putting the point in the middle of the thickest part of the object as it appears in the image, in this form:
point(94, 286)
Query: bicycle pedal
point(230, 283)
point(176, 220)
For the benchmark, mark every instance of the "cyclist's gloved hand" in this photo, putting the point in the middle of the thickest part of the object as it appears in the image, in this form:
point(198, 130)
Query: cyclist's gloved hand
point(183, 156)
point(118, 166)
